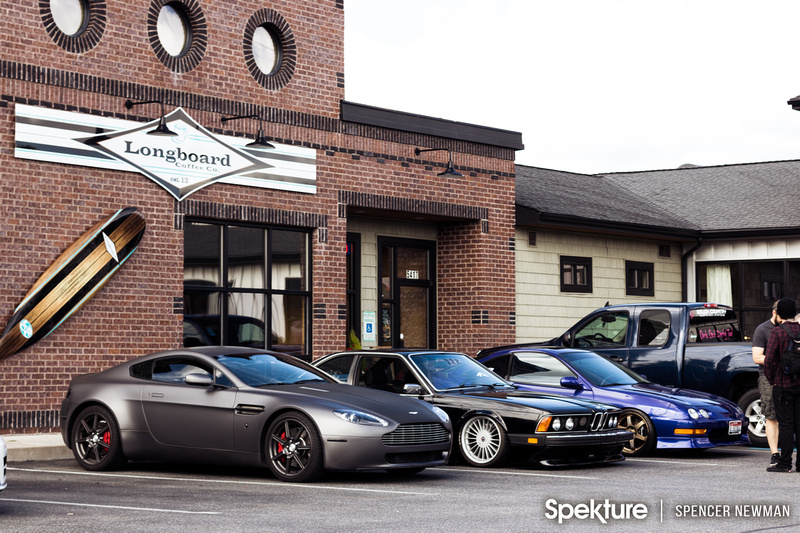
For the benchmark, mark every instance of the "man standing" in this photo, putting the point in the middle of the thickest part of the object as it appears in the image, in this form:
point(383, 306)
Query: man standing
point(785, 387)
point(760, 338)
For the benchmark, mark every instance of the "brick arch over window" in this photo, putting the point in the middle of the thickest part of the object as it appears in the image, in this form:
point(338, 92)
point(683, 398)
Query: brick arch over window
point(87, 38)
point(198, 33)
point(288, 49)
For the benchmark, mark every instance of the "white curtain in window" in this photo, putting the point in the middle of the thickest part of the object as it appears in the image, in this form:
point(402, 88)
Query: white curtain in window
point(719, 284)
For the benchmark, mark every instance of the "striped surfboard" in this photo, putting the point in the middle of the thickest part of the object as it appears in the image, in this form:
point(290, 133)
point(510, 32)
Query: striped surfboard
point(78, 273)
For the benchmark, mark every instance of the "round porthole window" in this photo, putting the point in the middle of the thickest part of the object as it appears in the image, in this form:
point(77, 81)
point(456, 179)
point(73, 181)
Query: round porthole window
point(178, 33)
point(270, 51)
point(74, 25)
point(71, 16)
point(266, 49)
point(173, 29)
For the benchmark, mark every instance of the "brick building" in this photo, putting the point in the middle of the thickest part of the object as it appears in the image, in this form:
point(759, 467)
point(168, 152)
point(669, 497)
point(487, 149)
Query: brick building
point(340, 227)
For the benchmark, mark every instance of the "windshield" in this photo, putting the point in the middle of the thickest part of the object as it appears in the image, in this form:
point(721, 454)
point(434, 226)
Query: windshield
point(600, 371)
point(261, 369)
point(455, 370)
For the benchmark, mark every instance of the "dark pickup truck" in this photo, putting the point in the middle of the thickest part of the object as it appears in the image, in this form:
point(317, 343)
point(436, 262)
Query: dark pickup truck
point(686, 345)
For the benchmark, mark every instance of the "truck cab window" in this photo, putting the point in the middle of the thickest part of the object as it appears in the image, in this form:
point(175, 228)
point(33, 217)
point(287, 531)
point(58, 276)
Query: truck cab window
point(605, 331)
point(653, 328)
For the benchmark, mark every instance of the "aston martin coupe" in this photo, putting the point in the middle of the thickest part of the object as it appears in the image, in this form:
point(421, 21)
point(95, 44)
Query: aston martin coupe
point(245, 406)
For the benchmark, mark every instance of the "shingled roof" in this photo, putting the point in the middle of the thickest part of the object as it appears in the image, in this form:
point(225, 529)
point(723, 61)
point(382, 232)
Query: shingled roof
point(565, 196)
point(749, 197)
point(753, 196)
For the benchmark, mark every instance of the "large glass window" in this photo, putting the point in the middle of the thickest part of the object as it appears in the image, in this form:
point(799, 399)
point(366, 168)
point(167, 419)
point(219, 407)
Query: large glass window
point(246, 286)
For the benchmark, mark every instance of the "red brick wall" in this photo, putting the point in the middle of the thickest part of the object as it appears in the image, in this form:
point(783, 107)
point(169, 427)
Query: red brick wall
point(47, 206)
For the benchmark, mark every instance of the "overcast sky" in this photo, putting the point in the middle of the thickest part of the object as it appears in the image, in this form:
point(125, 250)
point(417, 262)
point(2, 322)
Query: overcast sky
point(593, 85)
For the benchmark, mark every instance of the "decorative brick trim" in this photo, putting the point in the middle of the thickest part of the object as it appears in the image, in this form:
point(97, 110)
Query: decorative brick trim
point(480, 316)
point(410, 205)
point(198, 32)
point(512, 318)
point(177, 305)
point(320, 311)
point(87, 37)
point(246, 213)
point(29, 419)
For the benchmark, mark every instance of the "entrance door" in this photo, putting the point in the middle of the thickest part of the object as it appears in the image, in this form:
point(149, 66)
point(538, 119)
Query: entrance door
point(407, 293)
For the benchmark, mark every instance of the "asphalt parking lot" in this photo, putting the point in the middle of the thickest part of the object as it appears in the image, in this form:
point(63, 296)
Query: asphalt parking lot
point(716, 490)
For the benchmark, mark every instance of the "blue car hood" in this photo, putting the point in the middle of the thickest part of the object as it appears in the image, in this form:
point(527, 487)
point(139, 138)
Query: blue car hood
point(678, 396)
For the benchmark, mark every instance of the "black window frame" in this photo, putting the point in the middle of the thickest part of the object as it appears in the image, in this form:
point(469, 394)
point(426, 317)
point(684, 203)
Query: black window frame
point(573, 262)
point(267, 291)
point(634, 279)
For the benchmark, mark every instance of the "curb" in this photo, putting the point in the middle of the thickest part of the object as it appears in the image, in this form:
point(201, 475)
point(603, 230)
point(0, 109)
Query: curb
point(39, 447)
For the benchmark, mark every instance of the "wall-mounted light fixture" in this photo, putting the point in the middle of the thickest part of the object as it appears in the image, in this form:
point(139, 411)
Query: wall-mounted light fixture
point(162, 128)
point(260, 140)
point(450, 171)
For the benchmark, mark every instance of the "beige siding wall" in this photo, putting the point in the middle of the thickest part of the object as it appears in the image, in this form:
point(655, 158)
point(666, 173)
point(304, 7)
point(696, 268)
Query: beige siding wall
point(370, 230)
point(544, 312)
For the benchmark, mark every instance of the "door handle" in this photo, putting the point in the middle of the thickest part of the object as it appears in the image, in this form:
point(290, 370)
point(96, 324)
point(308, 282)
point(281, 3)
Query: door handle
point(156, 394)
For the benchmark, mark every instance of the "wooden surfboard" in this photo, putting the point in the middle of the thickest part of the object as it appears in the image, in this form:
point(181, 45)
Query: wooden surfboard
point(78, 273)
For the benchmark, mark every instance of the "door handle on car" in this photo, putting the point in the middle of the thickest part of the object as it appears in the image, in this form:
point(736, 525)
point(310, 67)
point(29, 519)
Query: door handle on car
point(616, 358)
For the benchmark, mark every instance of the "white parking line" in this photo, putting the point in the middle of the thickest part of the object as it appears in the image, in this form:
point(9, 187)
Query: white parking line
point(211, 480)
point(124, 507)
point(673, 461)
point(515, 473)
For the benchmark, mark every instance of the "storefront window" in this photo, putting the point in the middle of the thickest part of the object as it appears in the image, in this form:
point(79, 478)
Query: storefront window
point(226, 296)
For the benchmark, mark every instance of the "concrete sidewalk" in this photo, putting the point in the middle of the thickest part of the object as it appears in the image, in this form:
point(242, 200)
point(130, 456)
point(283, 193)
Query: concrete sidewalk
point(36, 447)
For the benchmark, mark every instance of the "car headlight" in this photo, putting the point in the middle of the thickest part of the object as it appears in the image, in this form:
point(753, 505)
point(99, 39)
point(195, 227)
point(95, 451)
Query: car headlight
point(704, 413)
point(613, 421)
point(556, 424)
point(570, 423)
point(693, 413)
point(440, 413)
point(358, 417)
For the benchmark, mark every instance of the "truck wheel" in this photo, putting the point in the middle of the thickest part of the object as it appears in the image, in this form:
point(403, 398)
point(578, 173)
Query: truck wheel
point(750, 403)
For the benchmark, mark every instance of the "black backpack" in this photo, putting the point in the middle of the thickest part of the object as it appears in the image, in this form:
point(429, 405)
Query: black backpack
point(790, 357)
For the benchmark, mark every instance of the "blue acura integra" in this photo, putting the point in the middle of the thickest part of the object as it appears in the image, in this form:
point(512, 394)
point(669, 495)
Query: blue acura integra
point(660, 417)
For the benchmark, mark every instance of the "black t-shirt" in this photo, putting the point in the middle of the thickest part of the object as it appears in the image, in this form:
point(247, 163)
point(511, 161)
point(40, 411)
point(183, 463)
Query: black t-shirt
point(760, 338)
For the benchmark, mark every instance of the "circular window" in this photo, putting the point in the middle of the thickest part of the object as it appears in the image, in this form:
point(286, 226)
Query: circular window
point(266, 49)
point(173, 30)
point(71, 16)
point(178, 33)
point(74, 25)
point(270, 51)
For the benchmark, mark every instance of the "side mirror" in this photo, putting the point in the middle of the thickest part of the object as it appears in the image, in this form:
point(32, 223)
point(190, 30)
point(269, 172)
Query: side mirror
point(412, 388)
point(200, 380)
point(566, 340)
point(571, 382)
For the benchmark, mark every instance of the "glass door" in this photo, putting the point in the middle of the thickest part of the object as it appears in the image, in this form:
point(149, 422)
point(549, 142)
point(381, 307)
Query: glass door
point(407, 295)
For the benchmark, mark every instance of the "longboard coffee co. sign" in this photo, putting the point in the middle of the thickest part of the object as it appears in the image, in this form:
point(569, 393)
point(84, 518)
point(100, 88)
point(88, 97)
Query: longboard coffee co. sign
point(181, 164)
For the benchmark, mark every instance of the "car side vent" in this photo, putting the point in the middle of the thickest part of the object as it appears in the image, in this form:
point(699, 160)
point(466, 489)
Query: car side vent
point(244, 409)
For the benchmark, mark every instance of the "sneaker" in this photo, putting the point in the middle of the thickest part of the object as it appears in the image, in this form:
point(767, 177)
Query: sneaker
point(779, 468)
point(774, 459)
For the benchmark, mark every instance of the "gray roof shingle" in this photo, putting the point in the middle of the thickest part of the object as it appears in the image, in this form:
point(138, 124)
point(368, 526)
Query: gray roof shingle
point(730, 197)
point(590, 197)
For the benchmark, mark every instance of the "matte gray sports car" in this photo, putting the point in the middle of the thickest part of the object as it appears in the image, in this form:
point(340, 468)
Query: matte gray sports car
point(245, 406)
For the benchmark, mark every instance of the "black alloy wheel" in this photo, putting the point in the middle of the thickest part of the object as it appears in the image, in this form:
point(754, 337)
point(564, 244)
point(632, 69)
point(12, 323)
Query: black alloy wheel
point(95, 440)
point(294, 448)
